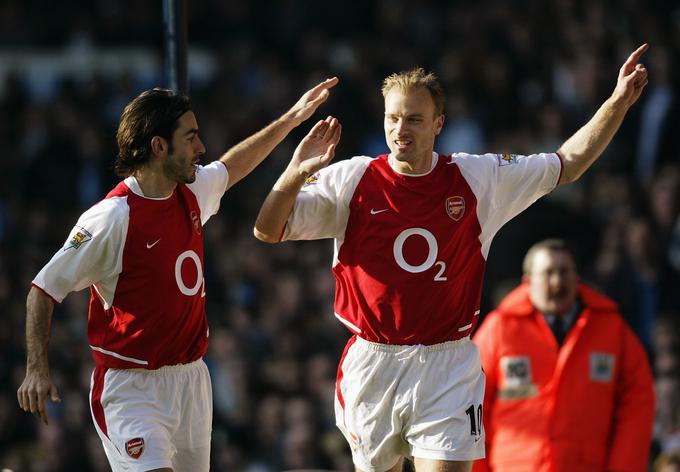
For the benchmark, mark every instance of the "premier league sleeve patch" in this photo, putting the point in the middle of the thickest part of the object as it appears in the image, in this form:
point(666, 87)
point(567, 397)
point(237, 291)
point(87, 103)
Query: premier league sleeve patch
point(79, 236)
point(506, 159)
point(602, 366)
point(311, 180)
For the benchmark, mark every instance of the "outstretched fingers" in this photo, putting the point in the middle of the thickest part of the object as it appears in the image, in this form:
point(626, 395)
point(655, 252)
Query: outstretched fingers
point(318, 131)
point(334, 131)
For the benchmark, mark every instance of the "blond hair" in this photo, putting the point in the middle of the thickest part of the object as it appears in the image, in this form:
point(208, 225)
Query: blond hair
point(415, 78)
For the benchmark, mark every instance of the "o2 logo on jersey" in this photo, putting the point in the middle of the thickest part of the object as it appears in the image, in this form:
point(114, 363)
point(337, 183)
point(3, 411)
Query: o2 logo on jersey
point(193, 287)
point(431, 260)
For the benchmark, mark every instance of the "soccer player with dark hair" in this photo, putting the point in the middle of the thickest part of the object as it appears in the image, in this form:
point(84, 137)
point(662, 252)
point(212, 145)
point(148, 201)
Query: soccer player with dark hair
point(140, 251)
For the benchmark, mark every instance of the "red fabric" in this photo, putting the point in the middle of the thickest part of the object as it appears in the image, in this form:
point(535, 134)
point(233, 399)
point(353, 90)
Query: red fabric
point(340, 374)
point(96, 397)
point(388, 216)
point(573, 420)
point(155, 317)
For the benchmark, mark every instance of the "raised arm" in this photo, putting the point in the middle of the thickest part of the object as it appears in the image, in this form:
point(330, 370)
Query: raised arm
point(587, 144)
point(314, 152)
point(37, 384)
point(246, 155)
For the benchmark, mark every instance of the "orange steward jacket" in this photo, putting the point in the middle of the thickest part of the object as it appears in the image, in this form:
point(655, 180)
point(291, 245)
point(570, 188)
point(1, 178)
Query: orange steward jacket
point(587, 406)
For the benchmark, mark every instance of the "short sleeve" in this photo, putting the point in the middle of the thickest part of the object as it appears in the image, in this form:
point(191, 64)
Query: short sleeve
point(507, 184)
point(321, 209)
point(92, 253)
point(209, 187)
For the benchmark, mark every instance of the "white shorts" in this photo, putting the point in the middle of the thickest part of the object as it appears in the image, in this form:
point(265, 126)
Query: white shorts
point(151, 419)
point(411, 401)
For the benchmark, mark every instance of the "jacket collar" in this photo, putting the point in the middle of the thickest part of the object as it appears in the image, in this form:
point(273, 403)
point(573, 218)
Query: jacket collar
point(517, 302)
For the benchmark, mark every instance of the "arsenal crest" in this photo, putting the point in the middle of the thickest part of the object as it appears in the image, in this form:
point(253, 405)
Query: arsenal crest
point(455, 207)
point(135, 447)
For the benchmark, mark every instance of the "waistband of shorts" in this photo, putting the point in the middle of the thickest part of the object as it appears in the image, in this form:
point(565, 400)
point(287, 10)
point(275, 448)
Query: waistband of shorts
point(398, 348)
point(166, 369)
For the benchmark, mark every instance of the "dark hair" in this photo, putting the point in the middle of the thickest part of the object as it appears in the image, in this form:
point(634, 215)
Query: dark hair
point(553, 244)
point(152, 113)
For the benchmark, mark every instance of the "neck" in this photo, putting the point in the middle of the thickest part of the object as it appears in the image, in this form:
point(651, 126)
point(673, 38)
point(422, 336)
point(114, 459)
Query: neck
point(154, 183)
point(419, 165)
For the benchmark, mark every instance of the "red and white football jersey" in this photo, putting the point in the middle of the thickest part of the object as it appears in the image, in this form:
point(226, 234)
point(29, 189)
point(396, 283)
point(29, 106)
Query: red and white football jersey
point(410, 250)
point(143, 261)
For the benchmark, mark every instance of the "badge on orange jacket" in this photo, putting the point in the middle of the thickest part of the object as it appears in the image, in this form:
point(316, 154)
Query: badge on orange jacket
point(602, 366)
point(517, 382)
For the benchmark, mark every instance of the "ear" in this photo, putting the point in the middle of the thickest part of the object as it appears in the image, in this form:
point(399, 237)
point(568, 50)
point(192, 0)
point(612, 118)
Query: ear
point(439, 123)
point(158, 146)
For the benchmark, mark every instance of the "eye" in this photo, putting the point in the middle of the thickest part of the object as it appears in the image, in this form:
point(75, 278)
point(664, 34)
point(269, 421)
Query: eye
point(414, 119)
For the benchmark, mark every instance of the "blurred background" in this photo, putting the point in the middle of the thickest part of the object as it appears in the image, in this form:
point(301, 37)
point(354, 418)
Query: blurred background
point(520, 77)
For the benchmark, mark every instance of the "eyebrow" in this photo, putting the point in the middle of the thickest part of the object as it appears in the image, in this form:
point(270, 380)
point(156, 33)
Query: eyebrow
point(412, 115)
point(191, 131)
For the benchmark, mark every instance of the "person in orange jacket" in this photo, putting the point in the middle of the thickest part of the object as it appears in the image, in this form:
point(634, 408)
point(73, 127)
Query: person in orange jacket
point(569, 387)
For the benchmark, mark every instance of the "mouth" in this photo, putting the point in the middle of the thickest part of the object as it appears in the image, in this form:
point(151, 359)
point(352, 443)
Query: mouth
point(402, 144)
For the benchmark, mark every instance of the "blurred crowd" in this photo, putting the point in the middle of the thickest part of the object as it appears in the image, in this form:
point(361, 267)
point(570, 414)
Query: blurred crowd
point(520, 77)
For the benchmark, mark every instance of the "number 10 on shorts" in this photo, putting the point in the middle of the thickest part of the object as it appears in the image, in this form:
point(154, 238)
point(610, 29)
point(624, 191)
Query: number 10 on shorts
point(475, 420)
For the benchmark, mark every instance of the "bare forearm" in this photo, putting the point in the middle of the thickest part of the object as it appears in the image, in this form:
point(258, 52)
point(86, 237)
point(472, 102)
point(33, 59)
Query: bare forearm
point(249, 153)
point(39, 309)
point(588, 143)
point(277, 206)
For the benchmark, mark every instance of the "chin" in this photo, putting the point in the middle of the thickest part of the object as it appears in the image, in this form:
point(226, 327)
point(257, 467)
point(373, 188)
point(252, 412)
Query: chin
point(401, 156)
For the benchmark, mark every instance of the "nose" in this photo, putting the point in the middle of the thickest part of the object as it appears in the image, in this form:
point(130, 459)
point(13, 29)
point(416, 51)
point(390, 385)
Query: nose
point(200, 147)
point(400, 126)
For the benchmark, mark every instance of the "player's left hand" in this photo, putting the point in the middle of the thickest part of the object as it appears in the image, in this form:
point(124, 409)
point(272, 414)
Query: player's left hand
point(317, 149)
point(632, 78)
point(310, 101)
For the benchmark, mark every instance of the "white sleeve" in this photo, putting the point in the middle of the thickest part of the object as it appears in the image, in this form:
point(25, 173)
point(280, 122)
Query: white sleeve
point(209, 187)
point(92, 253)
point(322, 207)
point(506, 184)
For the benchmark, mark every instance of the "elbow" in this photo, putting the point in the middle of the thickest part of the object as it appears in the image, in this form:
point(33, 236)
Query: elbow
point(265, 238)
point(571, 170)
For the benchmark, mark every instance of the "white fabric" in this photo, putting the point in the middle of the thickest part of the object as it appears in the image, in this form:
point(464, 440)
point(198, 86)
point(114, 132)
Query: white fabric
point(504, 191)
point(97, 260)
point(209, 187)
point(410, 401)
point(322, 206)
point(170, 408)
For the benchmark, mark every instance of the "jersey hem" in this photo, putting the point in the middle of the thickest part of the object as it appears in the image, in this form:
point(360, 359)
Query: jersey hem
point(45, 292)
point(559, 177)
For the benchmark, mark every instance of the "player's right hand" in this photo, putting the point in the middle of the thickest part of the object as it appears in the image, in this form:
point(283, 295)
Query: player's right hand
point(317, 149)
point(34, 391)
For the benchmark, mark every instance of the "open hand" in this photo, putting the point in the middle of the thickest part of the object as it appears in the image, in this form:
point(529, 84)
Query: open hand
point(632, 78)
point(310, 101)
point(317, 149)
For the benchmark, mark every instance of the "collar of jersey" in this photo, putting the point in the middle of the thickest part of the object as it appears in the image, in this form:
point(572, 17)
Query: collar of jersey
point(133, 185)
point(435, 158)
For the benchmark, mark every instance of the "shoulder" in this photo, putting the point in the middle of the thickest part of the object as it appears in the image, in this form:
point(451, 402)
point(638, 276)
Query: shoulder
point(596, 301)
point(354, 164)
point(340, 172)
point(111, 209)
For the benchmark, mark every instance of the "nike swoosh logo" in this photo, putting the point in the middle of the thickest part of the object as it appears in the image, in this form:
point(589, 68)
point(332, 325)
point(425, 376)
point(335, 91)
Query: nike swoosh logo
point(149, 246)
point(375, 212)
